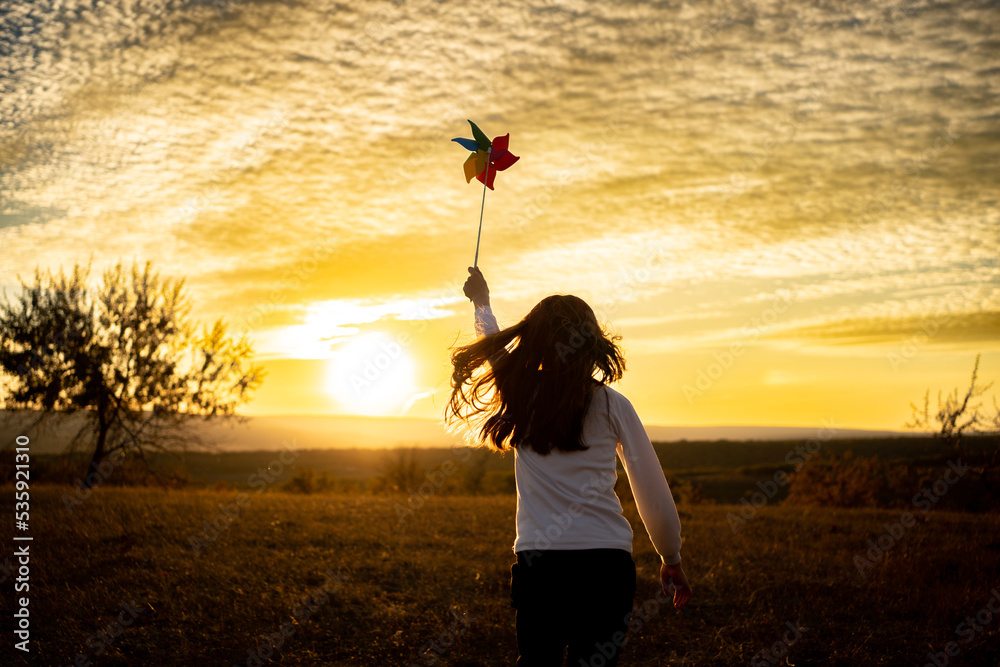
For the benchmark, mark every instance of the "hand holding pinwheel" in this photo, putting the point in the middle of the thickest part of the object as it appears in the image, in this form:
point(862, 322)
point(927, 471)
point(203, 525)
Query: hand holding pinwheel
point(488, 157)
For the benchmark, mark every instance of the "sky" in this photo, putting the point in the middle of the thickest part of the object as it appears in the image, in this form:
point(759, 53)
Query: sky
point(787, 210)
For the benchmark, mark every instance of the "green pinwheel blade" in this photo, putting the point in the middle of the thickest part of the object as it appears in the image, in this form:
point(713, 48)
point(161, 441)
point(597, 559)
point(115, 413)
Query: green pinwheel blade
point(480, 136)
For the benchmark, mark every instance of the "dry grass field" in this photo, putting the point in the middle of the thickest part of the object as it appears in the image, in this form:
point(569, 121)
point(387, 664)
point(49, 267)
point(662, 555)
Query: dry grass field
point(342, 580)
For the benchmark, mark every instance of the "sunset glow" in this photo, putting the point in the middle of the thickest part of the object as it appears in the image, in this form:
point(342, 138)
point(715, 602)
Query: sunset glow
point(818, 193)
point(370, 374)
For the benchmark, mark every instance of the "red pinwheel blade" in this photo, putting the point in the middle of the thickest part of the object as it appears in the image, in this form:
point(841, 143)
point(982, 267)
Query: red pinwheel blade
point(501, 143)
point(503, 159)
point(492, 176)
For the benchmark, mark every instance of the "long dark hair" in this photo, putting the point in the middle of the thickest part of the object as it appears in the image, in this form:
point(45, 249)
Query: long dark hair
point(537, 392)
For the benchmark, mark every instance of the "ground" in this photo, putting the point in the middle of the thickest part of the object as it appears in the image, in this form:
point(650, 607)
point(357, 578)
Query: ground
point(353, 580)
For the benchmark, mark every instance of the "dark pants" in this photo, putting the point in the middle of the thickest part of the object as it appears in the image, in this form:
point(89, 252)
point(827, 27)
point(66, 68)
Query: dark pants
point(579, 598)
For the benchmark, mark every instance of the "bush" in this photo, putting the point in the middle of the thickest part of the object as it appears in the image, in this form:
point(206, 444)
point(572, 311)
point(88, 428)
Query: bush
point(306, 481)
point(684, 491)
point(849, 481)
point(68, 470)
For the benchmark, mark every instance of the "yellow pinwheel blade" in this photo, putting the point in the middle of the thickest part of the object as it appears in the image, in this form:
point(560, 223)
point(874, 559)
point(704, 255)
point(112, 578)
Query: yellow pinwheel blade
point(475, 165)
point(470, 168)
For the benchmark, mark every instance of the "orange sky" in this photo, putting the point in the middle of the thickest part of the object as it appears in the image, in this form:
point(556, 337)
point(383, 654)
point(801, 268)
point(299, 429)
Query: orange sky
point(812, 188)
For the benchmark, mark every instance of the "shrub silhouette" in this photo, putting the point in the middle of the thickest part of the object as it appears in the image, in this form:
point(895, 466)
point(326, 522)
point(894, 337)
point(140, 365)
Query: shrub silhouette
point(851, 481)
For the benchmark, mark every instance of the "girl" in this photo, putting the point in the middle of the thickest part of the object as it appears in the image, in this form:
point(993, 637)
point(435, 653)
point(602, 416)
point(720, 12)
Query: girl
point(573, 579)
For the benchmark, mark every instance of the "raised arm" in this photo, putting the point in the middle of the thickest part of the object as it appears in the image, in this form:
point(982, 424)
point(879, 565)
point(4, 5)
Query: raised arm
point(479, 293)
point(652, 498)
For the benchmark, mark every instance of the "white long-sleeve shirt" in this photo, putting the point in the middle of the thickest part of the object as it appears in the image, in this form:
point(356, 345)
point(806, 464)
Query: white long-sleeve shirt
point(567, 500)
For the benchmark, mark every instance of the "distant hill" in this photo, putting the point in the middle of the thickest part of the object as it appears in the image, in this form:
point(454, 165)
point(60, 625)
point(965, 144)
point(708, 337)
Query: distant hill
point(326, 432)
point(769, 433)
point(270, 432)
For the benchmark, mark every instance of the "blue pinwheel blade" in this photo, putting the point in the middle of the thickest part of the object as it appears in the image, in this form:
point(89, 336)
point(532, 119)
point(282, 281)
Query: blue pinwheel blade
point(467, 144)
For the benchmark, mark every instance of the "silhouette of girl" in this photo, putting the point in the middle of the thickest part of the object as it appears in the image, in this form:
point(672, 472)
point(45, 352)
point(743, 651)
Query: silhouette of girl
point(573, 579)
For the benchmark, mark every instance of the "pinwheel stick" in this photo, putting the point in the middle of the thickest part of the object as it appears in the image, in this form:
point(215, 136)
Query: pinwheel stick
point(482, 207)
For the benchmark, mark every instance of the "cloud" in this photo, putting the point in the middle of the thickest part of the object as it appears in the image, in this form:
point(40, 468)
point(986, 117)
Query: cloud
point(938, 328)
point(284, 157)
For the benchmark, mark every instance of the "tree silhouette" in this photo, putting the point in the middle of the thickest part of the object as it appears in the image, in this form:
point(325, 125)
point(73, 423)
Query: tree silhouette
point(956, 414)
point(125, 354)
point(959, 414)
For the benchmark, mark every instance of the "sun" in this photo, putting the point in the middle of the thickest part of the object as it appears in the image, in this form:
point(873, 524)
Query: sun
point(370, 374)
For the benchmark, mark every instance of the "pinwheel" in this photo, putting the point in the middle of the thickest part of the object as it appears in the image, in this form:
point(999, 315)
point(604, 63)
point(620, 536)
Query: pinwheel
point(488, 157)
